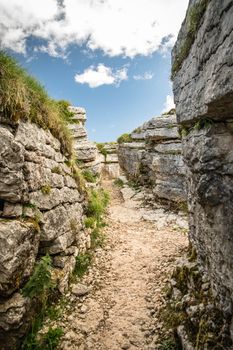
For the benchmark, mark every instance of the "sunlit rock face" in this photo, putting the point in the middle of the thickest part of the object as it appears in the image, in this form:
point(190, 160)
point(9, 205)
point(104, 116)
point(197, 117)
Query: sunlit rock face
point(203, 92)
point(154, 158)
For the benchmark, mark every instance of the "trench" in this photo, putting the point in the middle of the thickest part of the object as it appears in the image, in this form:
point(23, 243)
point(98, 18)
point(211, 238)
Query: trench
point(124, 288)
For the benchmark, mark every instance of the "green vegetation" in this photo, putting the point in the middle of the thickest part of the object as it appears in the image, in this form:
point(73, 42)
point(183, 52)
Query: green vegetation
point(47, 341)
point(89, 176)
point(46, 189)
point(171, 112)
point(40, 283)
point(90, 222)
point(98, 201)
point(39, 287)
point(83, 261)
point(101, 148)
point(118, 182)
point(168, 344)
point(56, 170)
point(137, 130)
point(24, 98)
point(124, 138)
point(194, 17)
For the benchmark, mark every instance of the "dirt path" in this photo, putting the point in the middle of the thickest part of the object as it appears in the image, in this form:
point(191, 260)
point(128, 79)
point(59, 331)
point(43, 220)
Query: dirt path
point(123, 296)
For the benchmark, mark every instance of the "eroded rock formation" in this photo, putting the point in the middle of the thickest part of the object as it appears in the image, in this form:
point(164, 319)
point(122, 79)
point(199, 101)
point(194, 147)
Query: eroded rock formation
point(203, 90)
point(41, 210)
point(154, 158)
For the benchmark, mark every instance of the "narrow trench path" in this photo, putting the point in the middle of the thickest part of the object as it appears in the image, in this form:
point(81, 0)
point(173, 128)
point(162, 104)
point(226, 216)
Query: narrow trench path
point(125, 285)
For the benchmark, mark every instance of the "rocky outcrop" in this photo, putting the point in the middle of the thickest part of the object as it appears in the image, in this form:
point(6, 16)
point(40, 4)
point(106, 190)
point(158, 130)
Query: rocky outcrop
point(203, 90)
point(85, 150)
point(41, 211)
point(154, 158)
point(108, 153)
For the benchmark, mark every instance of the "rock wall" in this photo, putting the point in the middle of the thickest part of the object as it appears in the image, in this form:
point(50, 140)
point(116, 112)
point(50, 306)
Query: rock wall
point(41, 210)
point(203, 91)
point(85, 151)
point(154, 158)
point(110, 164)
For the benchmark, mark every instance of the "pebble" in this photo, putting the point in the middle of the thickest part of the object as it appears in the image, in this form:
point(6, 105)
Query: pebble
point(80, 290)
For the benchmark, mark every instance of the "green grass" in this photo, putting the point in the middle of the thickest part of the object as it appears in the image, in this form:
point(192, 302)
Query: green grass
point(194, 17)
point(22, 97)
point(125, 138)
point(90, 222)
point(97, 203)
point(47, 341)
point(89, 176)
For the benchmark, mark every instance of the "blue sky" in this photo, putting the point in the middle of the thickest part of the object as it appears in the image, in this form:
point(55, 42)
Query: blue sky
point(117, 66)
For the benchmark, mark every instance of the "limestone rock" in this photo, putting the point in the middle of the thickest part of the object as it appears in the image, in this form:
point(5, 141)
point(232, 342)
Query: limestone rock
point(80, 290)
point(16, 315)
point(18, 249)
point(11, 169)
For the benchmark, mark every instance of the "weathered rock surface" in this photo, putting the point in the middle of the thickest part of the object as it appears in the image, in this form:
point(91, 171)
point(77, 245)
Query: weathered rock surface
point(41, 211)
point(203, 86)
point(203, 90)
point(155, 159)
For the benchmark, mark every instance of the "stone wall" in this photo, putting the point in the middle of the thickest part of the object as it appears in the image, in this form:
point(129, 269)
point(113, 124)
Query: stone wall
point(203, 91)
point(154, 158)
point(41, 210)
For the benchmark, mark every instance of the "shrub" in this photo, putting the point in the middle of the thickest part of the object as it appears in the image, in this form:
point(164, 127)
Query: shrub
point(23, 97)
point(40, 283)
point(89, 176)
point(124, 138)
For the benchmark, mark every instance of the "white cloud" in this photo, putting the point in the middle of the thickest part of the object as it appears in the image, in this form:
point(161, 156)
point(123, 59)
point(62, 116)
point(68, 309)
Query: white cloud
point(101, 75)
point(145, 76)
point(117, 27)
point(169, 104)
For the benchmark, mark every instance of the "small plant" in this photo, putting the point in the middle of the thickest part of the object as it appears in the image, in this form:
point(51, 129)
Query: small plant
point(125, 138)
point(204, 123)
point(118, 182)
point(97, 238)
point(51, 339)
point(40, 283)
point(90, 222)
point(170, 112)
point(89, 176)
point(102, 149)
point(168, 344)
point(46, 189)
point(184, 131)
point(98, 201)
point(56, 170)
point(83, 261)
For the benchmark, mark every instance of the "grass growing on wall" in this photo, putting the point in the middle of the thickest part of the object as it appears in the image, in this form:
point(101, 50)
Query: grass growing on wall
point(22, 97)
point(194, 17)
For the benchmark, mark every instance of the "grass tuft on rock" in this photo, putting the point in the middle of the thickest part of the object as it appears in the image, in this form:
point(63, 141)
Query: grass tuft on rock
point(125, 138)
point(22, 97)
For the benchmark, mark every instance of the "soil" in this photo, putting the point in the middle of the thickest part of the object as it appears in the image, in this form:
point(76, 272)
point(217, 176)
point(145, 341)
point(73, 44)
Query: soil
point(125, 286)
